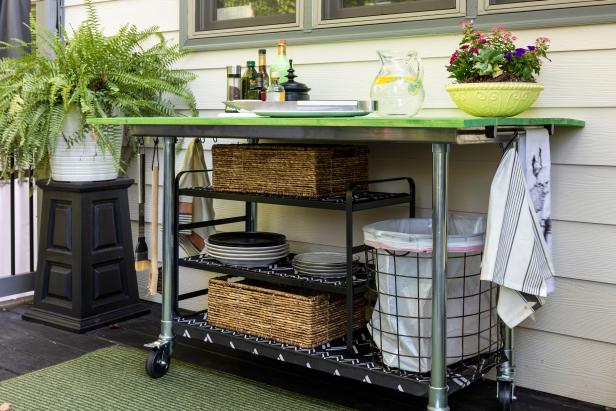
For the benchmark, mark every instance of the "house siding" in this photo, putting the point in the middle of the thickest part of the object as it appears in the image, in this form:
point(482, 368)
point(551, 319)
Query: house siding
point(569, 348)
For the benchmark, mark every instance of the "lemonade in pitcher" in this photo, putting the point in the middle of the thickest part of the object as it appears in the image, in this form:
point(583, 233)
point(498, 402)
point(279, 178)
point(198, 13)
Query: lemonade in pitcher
point(398, 88)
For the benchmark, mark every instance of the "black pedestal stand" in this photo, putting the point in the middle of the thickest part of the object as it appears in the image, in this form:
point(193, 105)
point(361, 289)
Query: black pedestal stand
point(86, 275)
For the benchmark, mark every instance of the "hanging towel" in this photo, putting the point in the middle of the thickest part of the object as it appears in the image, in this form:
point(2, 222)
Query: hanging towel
point(516, 255)
point(534, 152)
point(192, 241)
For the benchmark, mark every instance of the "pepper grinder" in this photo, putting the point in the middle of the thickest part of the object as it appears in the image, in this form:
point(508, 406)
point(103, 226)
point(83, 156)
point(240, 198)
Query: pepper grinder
point(295, 91)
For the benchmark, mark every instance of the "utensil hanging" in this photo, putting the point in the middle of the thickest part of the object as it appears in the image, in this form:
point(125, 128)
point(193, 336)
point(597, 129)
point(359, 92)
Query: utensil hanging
point(153, 281)
point(141, 251)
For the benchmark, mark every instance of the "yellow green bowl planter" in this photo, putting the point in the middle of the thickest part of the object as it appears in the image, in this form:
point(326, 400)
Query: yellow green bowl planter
point(494, 99)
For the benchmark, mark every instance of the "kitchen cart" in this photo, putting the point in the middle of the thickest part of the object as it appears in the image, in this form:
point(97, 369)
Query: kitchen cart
point(335, 357)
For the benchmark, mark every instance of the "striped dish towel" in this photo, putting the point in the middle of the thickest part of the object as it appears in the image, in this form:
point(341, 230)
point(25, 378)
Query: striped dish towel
point(516, 255)
point(192, 241)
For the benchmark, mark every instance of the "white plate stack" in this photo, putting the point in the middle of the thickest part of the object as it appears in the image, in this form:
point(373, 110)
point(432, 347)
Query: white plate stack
point(323, 264)
point(247, 249)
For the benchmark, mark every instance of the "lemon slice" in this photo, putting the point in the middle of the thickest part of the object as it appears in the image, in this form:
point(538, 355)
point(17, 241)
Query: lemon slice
point(390, 79)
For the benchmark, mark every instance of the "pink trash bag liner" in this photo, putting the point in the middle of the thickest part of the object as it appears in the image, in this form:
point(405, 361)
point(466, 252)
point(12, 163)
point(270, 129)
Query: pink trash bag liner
point(466, 234)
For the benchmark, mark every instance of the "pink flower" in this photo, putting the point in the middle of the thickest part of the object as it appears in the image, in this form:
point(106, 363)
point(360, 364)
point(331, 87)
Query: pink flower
point(543, 40)
point(453, 58)
point(467, 23)
point(474, 50)
point(464, 47)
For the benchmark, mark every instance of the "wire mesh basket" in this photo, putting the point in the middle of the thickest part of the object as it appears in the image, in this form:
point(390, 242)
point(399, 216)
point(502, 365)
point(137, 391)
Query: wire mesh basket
point(401, 318)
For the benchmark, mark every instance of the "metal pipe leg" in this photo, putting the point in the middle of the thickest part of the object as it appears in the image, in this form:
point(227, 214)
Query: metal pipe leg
point(438, 383)
point(251, 208)
point(166, 324)
point(165, 338)
point(251, 217)
point(506, 371)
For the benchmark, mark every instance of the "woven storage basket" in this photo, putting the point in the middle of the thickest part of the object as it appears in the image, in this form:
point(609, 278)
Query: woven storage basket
point(305, 318)
point(288, 169)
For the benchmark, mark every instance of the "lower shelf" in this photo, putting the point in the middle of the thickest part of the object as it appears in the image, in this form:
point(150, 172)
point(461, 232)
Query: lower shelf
point(281, 272)
point(333, 358)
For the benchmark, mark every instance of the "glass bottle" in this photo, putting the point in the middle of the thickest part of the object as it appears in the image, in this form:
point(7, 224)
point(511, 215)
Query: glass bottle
point(261, 86)
point(275, 92)
point(281, 64)
point(398, 88)
point(263, 68)
point(234, 85)
point(249, 82)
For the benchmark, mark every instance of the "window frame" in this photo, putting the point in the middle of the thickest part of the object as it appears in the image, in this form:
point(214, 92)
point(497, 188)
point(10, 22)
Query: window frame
point(310, 30)
point(245, 28)
point(485, 7)
point(349, 19)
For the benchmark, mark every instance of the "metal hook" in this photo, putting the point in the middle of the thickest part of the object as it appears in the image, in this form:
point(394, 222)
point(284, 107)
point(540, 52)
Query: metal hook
point(155, 154)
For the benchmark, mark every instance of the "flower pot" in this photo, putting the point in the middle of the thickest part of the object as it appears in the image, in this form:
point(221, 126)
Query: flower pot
point(83, 160)
point(494, 99)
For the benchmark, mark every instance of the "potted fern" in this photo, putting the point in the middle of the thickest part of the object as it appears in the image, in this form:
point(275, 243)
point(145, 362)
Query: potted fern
point(47, 94)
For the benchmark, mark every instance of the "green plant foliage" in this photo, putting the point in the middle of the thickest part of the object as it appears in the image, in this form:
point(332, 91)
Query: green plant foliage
point(128, 73)
point(493, 56)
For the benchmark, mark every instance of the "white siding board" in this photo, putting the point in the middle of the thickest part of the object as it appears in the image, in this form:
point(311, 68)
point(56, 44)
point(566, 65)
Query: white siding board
point(595, 144)
point(584, 251)
point(568, 366)
point(583, 309)
point(115, 14)
point(584, 193)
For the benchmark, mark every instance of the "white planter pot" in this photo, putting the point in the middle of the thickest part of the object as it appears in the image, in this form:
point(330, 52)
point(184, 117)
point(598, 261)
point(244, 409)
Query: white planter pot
point(83, 161)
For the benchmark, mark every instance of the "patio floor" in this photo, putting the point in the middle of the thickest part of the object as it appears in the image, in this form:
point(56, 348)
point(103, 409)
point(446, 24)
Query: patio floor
point(26, 346)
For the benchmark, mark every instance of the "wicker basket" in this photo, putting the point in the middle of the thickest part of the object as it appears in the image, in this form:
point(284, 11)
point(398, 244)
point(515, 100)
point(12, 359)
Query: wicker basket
point(304, 318)
point(288, 169)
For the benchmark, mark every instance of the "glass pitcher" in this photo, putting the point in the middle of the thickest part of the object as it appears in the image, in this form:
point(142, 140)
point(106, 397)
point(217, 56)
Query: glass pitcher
point(398, 88)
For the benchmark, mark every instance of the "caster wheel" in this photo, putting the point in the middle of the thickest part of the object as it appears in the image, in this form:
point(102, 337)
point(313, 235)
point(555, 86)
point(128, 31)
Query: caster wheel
point(157, 363)
point(505, 395)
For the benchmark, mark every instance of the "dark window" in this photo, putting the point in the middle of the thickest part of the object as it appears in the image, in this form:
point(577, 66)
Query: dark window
point(230, 14)
point(495, 2)
point(344, 9)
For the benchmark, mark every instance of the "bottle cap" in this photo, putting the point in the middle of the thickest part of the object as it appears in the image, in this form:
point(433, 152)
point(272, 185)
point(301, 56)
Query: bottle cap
point(250, 63)
point(282, 42)
point(262, 51)
point(234, 71)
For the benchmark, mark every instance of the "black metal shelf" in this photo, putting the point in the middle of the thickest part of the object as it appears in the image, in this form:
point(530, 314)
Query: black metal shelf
point(281, 272)
point(334, 357)
point(354, 199)
point(361, 200)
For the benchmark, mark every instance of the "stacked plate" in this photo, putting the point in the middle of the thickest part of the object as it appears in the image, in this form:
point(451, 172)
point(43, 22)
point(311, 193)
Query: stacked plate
point(257, 249)
point(323, 264)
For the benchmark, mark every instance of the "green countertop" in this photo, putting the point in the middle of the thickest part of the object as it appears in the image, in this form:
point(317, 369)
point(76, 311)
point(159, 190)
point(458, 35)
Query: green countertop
point(369, 121)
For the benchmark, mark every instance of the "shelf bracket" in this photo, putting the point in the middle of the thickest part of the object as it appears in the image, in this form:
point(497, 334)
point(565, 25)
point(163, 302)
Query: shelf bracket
point(491, 131)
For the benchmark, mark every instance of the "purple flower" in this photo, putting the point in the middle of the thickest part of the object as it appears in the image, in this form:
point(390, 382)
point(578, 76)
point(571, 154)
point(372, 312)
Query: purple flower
point(508, 55)
point(519, 52)
point(531, 48)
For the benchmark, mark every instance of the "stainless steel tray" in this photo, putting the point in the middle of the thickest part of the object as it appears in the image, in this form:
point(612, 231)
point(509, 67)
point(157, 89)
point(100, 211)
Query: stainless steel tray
point(315, 106)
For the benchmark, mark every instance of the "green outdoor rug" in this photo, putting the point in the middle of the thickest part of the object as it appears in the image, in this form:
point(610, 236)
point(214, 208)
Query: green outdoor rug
point(114, 378)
